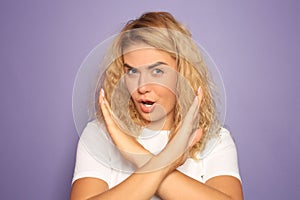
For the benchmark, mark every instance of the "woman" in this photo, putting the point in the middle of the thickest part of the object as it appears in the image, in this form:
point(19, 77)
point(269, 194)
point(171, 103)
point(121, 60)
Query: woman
point(155, 104)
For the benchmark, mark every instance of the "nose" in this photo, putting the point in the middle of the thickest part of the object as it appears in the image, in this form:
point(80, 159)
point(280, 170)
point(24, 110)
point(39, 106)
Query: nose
point(143, 84)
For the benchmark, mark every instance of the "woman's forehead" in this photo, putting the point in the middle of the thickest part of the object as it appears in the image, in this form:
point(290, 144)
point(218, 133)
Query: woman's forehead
point(148, 56)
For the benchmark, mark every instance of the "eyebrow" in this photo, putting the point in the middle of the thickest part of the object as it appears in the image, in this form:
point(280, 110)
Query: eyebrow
point(148, 67)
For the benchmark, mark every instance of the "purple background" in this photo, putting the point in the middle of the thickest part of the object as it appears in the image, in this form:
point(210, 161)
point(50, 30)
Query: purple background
point(255, 44)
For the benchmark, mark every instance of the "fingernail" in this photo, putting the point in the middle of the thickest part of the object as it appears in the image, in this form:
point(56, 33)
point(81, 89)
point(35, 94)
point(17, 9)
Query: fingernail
point(199, 90)
point(102, 92)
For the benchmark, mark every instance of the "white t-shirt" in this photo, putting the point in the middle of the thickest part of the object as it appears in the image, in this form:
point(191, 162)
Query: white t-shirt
point(97, 157)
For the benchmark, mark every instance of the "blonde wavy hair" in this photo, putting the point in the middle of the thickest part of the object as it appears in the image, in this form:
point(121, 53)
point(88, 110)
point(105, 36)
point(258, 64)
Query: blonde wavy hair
point(160, 30)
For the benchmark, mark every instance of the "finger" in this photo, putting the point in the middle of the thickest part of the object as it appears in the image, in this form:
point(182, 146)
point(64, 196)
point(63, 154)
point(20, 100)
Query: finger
point(105, 108)
point(199, 95)
point(191, 114)
point(178, 127)
point(103, 101)
point(186, 127)
point(199, 99)
point(196, 137)
point(194, 109)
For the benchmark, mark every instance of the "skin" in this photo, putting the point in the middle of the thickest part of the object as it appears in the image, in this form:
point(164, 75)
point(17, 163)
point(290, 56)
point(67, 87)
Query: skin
point(151, 75)
point(166, 182)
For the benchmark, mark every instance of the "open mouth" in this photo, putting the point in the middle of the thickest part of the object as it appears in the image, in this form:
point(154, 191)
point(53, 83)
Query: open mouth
point(148, 104)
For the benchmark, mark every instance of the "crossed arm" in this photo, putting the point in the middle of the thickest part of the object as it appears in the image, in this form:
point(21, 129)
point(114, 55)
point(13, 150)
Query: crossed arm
point(175, 186)
point(167, 182)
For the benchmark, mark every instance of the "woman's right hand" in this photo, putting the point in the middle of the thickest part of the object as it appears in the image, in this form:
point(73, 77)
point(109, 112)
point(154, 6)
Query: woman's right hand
point(177, 150)
point(128, 146)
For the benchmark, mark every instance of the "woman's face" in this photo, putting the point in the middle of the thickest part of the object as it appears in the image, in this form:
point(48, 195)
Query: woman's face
point(151, 76)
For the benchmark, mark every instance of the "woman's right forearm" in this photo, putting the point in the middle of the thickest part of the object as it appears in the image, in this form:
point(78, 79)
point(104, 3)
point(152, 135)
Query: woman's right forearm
point(137, 186)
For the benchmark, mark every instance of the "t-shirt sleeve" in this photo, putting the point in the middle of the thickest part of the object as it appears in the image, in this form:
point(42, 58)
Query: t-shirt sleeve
point(87, 163)
point(223, 158)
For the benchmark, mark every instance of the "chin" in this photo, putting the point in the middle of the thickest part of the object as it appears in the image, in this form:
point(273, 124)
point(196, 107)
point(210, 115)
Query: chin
point(157, 122)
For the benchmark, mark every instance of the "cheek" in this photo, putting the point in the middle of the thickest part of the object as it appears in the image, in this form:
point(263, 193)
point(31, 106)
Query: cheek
point(169, 81)
point(131, 84)
point(168, 95)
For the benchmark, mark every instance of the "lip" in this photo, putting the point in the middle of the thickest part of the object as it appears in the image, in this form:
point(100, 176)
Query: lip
point(147, 109)
point(144, 108)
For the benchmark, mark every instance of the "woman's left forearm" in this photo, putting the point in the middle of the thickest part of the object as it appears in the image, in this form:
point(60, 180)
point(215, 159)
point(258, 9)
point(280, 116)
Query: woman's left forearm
point(180, 186)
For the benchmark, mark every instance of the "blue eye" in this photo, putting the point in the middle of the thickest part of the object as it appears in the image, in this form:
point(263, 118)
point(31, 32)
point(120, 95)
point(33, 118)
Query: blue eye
point(132, 71)
point(157, 71)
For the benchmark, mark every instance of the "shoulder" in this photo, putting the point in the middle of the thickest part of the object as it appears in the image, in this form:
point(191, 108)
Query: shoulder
point(93, 150)
point(225, 138)
point(94, 130)
point(92, 126)
point(93, 139)
point(222, 158)
point(219, 157)
point(216, 143)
